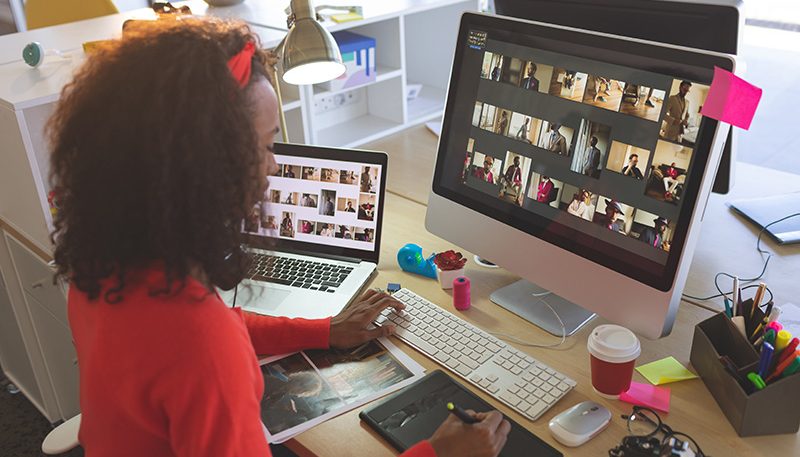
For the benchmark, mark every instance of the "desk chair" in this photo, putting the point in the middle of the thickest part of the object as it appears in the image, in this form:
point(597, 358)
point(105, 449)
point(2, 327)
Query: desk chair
point(44, 13)
point(62, 438)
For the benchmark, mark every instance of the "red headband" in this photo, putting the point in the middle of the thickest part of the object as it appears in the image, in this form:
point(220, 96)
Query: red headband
point(240, 64)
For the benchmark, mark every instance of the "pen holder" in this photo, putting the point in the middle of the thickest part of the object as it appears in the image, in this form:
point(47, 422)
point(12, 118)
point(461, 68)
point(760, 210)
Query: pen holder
point(772, 410)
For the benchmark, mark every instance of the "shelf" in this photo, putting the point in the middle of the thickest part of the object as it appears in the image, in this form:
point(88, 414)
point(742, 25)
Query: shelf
point(357, 131)
point(292, 104)
point(428, 105)
point(382, 74)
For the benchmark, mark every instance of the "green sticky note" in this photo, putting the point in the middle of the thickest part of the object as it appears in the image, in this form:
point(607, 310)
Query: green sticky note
point(665, 371)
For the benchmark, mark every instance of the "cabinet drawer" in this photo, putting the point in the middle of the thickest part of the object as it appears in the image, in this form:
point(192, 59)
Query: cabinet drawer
point(55, 341)
point(37, 279)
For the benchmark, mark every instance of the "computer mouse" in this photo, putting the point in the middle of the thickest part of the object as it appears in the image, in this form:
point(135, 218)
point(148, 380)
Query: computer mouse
point(580, 423)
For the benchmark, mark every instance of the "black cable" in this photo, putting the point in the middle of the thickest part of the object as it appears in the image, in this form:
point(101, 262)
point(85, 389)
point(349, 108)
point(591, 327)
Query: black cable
point(746, 280)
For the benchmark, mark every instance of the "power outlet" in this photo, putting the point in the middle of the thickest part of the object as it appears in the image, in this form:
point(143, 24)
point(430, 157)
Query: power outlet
point(328, 103)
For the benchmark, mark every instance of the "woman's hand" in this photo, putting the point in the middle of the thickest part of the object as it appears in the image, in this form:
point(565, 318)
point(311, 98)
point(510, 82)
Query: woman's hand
point(486, 438)
point(350, 327)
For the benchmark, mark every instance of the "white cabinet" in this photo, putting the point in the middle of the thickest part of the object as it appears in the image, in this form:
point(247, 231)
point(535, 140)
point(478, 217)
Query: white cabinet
point(37, 332)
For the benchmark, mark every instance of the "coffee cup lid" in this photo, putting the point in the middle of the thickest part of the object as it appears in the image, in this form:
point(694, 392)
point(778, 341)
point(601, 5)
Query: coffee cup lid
point(614, 344)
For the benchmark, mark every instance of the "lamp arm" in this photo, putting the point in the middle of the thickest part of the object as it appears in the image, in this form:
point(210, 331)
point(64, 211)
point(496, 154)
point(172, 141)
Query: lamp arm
point(272, 69)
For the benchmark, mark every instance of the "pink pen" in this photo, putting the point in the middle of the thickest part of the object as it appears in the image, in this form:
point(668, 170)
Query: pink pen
point(775, 326)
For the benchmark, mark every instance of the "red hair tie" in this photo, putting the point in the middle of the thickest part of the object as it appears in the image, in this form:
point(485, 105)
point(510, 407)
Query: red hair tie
point(240, 64)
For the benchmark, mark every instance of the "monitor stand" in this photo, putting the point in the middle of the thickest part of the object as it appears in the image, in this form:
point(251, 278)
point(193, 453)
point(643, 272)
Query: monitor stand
point(523, 298)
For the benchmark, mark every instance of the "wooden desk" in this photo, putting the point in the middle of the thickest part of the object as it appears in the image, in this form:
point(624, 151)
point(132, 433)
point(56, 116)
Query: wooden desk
point(693, 408)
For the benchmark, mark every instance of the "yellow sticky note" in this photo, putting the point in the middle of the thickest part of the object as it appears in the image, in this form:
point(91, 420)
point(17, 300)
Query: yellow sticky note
point(346, 17)
point(665, 371)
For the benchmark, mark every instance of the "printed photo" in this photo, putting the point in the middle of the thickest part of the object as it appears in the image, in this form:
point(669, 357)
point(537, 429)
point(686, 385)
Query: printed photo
point(492, 63)
point(591, 148)
point(603, 92)
point(578, 202)
point(344, 232)
point(545, 189)
point(290, 198)
point(329, 175)
point(486, 168)
point(682, 118)
point(652, 230)
point(253, 220)
point(668, 172)
point(306, 227)
point(348, 177)
point(324, 229)
point(364, 234)
point(628, 160)
point(311, 173)
point(369, 180)
point(361, 371)
point(287, 224)
point(327, 205)
point(568, 84)
point(514, 178)
point(613, 215)
point(642, 101)
point(366, 207)
point(309, 200)
point(555, 137)
point(274, 196)
point(346, 205)
point(290, 171)
point(294, 393)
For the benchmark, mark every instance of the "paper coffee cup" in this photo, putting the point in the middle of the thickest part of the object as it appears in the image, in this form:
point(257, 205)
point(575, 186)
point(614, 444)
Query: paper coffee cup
point(613, 351)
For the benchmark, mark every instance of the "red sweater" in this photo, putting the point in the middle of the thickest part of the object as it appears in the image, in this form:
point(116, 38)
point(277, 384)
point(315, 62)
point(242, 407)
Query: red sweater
point(178, 375)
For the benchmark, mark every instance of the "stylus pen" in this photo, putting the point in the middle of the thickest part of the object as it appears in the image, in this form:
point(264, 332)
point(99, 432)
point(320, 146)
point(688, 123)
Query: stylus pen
point(735, 296)
point(461, 414)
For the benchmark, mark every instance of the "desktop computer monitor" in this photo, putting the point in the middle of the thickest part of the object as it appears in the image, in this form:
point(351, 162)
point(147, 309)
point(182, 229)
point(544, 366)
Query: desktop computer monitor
point(715, 25)
point(564, 158)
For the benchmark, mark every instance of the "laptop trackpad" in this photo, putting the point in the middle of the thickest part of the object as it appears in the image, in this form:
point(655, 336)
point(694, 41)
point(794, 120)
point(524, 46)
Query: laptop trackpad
point(265, 298)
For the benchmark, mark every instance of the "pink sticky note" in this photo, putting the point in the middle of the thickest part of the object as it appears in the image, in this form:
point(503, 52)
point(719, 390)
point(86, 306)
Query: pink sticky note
point(731, 99)
point(646, 395)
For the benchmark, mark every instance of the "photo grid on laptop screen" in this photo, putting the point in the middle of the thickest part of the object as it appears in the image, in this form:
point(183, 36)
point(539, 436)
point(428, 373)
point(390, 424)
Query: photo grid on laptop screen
point(319, 201)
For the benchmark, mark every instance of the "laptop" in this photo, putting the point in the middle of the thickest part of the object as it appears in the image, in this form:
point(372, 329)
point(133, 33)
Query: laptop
point(315, 237)
point(774, 215)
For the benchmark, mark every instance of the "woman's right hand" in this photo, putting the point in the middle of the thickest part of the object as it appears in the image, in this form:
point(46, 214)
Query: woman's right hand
point(486, 438)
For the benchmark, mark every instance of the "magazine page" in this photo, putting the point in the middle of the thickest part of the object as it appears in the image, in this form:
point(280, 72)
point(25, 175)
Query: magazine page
point(307, 388)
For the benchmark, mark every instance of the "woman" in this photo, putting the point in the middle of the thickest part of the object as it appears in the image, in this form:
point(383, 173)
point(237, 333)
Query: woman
point(166, 369)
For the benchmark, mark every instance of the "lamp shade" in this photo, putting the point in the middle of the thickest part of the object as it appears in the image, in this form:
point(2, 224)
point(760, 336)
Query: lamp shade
point(310, 54)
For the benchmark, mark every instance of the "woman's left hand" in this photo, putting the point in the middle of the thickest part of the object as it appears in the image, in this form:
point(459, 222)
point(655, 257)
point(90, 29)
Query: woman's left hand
point(351, 327)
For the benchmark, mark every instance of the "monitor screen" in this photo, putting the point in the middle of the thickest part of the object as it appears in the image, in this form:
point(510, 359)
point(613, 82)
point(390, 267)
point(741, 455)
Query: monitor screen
point(592, 148)
point(320, 202)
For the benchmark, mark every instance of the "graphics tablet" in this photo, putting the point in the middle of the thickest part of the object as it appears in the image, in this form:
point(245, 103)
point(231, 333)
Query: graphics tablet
point(414, 413)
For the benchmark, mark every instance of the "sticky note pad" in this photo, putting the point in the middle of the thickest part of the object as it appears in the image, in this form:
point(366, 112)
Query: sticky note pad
point(731, 99)
point(665, 371)
point(646, 395)
point(346, 17)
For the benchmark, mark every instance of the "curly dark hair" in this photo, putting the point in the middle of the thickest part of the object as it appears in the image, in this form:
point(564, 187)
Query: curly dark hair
point(155, 158)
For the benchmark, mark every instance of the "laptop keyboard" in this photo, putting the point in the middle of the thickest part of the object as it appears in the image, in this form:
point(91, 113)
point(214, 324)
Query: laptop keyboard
point(305, 274)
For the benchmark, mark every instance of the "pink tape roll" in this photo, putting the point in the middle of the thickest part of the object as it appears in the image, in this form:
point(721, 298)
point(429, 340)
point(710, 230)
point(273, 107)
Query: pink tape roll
point(461, 297)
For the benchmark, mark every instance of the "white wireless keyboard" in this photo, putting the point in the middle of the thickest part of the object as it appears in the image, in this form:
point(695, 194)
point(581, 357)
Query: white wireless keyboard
point(511, 376)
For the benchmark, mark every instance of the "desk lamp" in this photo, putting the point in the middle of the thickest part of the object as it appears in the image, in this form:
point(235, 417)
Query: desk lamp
point(308, 53)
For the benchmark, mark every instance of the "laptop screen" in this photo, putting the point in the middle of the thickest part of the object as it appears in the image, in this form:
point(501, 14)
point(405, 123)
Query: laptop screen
point(318, 202)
